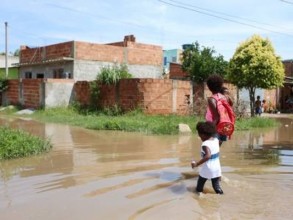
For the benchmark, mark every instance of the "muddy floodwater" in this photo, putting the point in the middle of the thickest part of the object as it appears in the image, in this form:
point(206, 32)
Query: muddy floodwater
point(117, 175)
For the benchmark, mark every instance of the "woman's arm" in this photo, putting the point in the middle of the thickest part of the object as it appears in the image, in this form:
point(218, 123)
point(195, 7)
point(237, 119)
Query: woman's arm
point(212, 103)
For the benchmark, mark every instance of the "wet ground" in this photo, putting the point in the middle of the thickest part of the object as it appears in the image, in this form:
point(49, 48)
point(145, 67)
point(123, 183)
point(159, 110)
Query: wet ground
point(117, 175)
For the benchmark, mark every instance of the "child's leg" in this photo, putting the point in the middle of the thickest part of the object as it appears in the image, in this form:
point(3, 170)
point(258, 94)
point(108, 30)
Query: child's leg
point(216, 185)
point(200, 184)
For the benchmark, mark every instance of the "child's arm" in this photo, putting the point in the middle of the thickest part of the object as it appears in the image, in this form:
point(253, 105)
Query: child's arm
point(206, 157)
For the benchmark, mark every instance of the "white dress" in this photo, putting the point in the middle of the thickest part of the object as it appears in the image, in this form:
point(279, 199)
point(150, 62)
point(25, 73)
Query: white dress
point(211, 168)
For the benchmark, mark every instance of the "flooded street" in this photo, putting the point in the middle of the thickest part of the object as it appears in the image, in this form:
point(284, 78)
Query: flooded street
point(118, 175)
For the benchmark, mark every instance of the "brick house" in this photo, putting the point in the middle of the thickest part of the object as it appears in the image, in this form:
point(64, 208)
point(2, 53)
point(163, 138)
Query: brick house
point(286, 92)
point(83, 61)
point(57, 75)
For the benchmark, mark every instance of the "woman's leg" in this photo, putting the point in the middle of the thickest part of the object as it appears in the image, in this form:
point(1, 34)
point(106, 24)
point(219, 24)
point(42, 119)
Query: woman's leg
point(200, 184)
point(216, 185)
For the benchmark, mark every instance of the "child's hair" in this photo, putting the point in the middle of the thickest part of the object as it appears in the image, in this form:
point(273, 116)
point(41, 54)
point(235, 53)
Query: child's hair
point(207, 128)
point(215, 83)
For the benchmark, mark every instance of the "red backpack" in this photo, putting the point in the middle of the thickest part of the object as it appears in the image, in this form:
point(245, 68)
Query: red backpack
point(227, 116)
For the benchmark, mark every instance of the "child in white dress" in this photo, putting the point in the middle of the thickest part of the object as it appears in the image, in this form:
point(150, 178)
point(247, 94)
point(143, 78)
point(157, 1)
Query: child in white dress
point(210, 160)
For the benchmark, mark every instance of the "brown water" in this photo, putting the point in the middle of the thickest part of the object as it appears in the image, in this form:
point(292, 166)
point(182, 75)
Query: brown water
point(118, 175)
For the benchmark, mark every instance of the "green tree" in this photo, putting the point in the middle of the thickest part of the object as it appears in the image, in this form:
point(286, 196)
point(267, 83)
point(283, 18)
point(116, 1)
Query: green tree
point(16, 52)
point(200, 62)
point(255, 65)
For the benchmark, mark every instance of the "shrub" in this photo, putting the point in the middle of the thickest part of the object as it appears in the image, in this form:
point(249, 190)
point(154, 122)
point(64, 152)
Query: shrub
point(3, 84)
point(112, 74)
point(17, 143)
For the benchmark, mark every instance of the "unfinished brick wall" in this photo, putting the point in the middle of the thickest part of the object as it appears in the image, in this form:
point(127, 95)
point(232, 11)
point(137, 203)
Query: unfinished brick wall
point(129, 95)
point(157, 96)
point(11, 95)
point(139, 54)
point(201, 92)
point(38, 54)
point(143, 54)
point(176, 72)
point(153, 96)
point(27, 93)
point(32, 93)
point(82, 92)
point(98, 52)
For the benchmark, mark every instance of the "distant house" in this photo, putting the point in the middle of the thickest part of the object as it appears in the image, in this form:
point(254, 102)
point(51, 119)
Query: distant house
point(12, 70)
point(83, 61)
point(171, 56)
point(286, 92)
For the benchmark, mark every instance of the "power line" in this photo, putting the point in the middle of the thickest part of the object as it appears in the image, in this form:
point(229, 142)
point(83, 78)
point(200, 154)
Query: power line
point(180, 5)
point(288, 2)
point(228, 15)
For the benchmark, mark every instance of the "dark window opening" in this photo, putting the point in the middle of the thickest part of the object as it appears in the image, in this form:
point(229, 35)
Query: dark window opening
point(40, 75)
point(28, 75)
point(58, 73)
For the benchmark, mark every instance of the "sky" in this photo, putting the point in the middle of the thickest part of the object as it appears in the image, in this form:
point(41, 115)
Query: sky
point(218, 24)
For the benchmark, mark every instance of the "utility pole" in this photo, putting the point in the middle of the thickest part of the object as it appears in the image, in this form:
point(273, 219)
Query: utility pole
point(6, 51)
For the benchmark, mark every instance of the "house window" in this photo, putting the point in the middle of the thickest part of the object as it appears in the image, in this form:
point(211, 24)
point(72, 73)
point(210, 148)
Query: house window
point(28, 75)
point(58, 73)
point(40, 75)
point(174, 59)
point(165, 61)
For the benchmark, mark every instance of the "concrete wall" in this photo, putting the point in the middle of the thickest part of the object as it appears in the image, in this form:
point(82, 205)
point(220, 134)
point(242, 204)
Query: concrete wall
point(46, 69)
point(58, 92)
point(11, 60)
point(88, 70)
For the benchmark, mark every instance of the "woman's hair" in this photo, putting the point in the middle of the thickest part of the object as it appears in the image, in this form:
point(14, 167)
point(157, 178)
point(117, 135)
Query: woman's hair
point(215, 83)
point(224, 90)
point(207, 128)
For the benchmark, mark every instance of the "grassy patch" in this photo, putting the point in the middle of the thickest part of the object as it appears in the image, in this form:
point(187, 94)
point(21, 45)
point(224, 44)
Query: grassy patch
point(137, 121)
point(134, 122)
point(255, 122)
point(17, 143)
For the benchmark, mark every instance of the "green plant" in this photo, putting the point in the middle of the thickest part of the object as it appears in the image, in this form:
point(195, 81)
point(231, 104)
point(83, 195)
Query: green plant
point(17, 143)
point(112, 74)
point(114, 110)
point(3, 84)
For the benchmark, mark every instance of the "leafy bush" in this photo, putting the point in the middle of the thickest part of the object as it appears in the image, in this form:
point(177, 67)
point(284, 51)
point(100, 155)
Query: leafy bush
point(17, 143)
point(112, 74)
point(3, 84)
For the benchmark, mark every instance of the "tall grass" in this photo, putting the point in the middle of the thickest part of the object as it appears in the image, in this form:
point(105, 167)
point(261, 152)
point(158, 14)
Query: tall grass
point(137, 121)
point(17, 143)
point(255, 122)
point(133, 121)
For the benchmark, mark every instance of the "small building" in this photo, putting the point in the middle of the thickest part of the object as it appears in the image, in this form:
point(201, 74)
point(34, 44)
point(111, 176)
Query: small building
point(83, 61)
point(171, 56)
point(12, 70)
